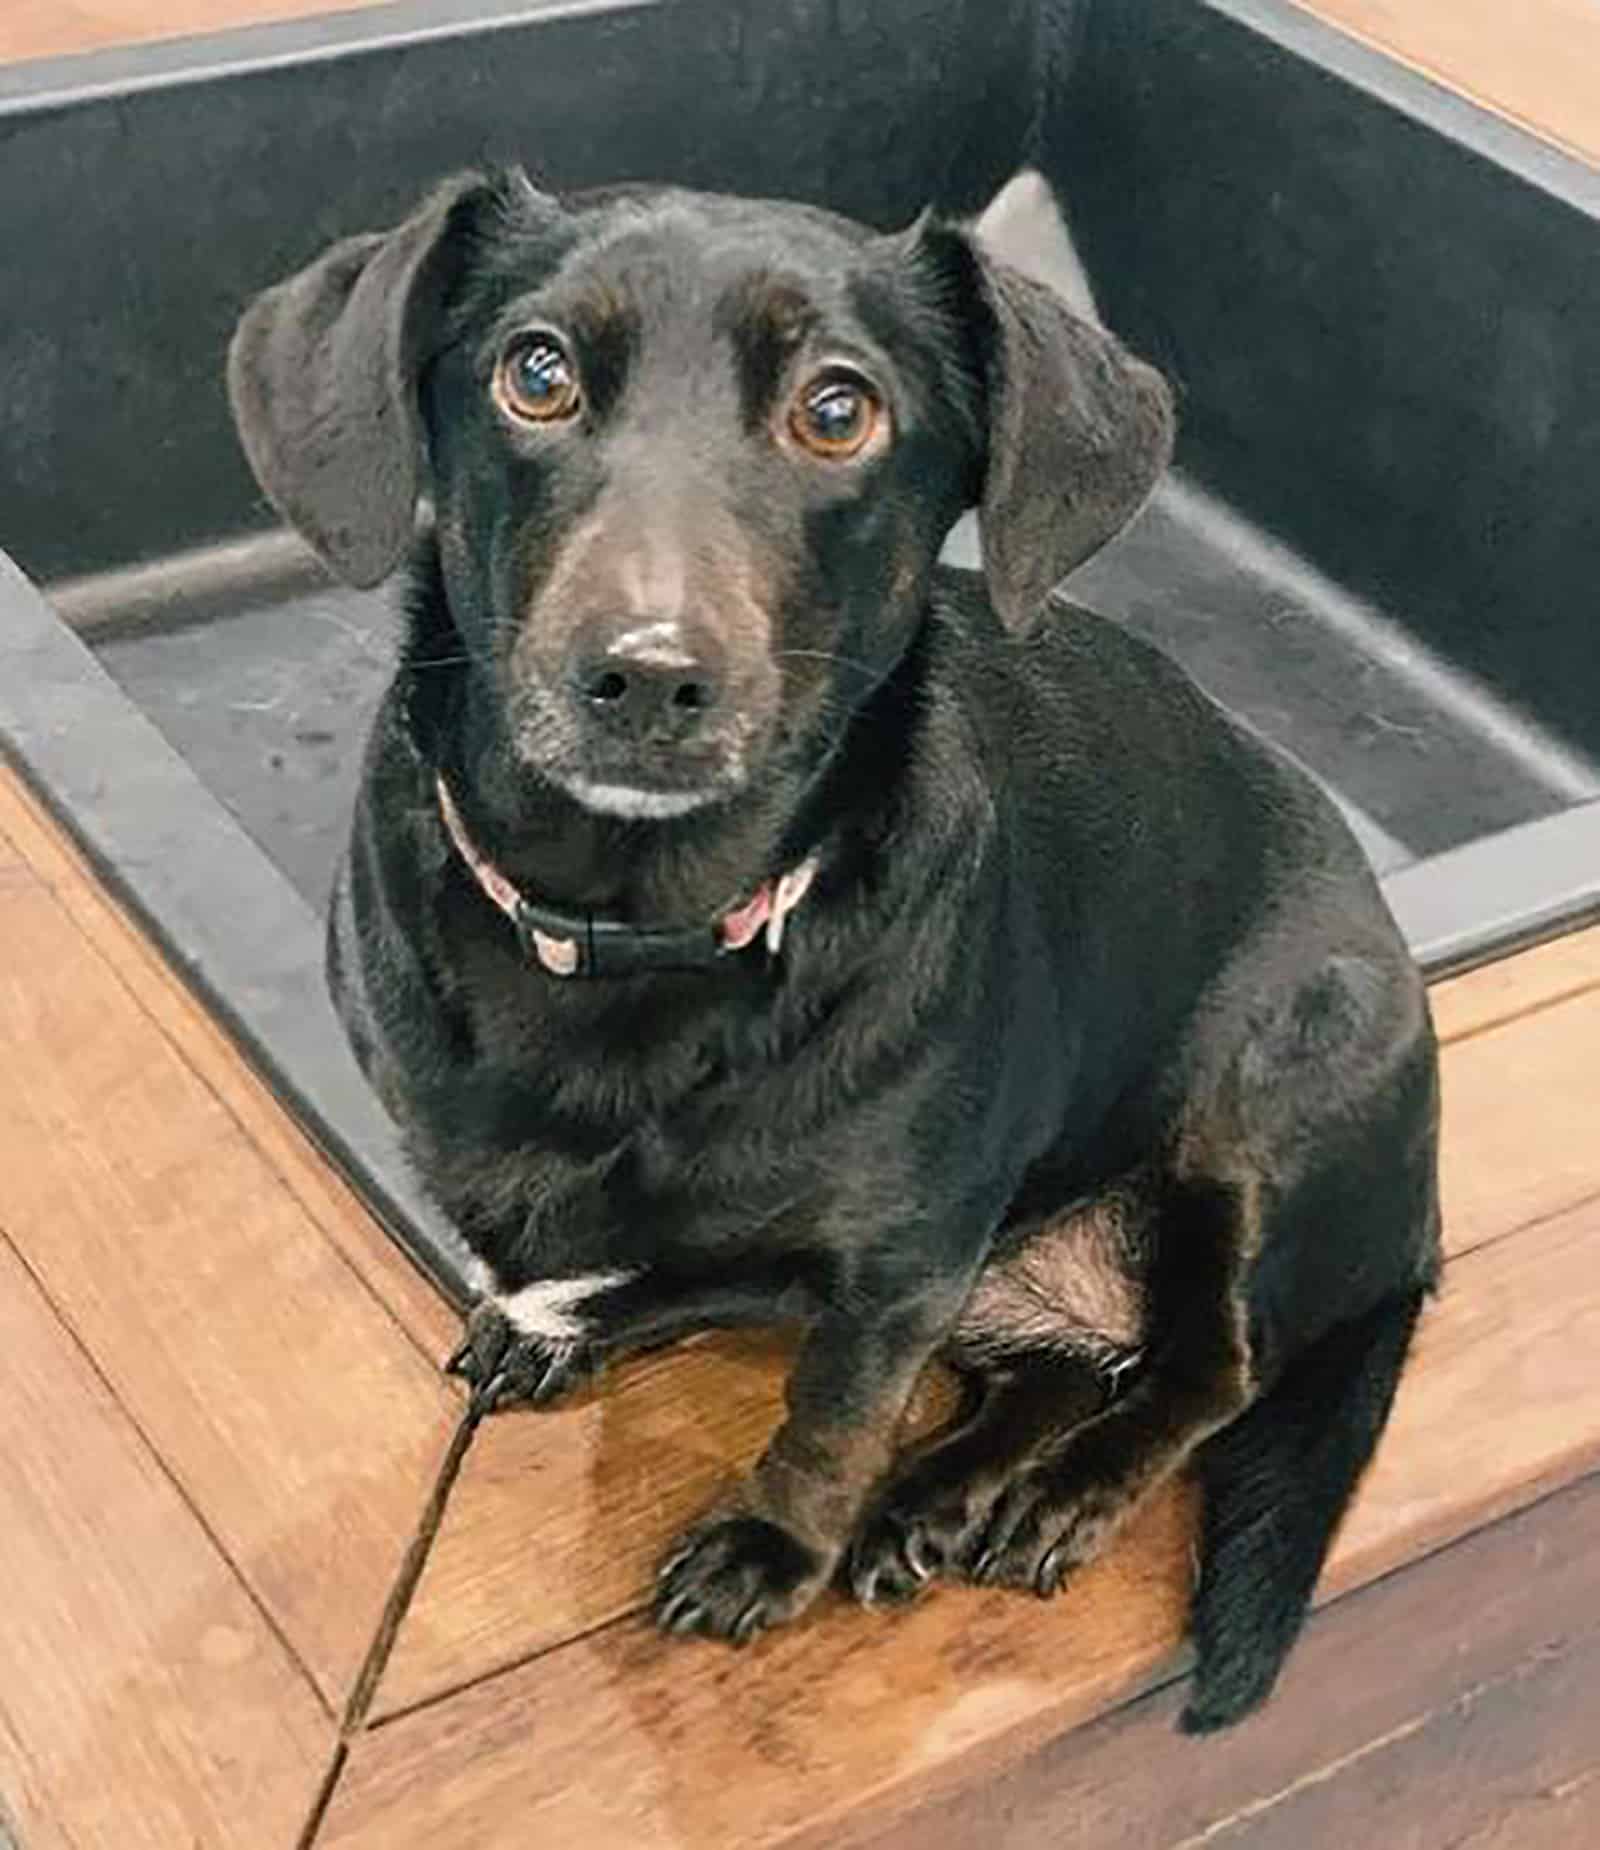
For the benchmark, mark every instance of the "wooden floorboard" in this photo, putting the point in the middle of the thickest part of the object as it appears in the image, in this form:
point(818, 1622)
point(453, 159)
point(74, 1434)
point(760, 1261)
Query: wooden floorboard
point(145, 1703)
point(1501, 1404)
point(1419, 1697)
point(1519, 1128)
point(294, 1412)
point(621, 1740)
point(1536, 62)
point(1505, 1766)
point(1533, 980)
point(520, 1566)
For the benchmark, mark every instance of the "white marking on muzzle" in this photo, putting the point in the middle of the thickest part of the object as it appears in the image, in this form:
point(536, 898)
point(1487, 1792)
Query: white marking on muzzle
point(548, 1307)
point(637, 805)
point(656, 645)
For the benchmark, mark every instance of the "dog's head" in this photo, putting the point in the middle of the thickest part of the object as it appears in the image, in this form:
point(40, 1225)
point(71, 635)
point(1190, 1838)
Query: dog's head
point(691, 458)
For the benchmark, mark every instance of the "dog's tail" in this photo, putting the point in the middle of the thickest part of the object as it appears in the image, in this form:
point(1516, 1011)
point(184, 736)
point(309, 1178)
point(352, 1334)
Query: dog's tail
point(1275, 1484)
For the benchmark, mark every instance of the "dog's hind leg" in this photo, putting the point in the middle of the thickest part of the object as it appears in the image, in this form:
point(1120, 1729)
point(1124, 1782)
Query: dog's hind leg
point(1060, 1510)
point(937, 1501)
point(1034, 1484)
point(1276, 1483)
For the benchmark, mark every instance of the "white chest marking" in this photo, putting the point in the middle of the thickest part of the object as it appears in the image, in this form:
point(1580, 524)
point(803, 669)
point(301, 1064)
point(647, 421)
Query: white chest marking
point(549, 1306)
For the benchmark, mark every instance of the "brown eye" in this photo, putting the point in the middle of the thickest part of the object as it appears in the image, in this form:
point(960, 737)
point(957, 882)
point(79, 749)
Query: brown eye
point(835, 417)
point(536, 381)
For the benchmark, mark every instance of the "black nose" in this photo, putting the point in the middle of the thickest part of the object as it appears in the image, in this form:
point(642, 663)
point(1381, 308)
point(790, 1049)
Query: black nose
point(642, 692)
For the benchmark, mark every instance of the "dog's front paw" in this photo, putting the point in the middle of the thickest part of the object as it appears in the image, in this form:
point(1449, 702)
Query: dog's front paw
point(735, 1577)
point(502, 1365)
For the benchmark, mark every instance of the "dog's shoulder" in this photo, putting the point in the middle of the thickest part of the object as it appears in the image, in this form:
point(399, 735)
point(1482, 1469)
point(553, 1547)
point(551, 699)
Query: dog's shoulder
point(1069, 654)
point(1074, 689)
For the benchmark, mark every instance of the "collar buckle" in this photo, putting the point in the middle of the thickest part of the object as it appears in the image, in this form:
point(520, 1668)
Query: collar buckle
point(579, 945)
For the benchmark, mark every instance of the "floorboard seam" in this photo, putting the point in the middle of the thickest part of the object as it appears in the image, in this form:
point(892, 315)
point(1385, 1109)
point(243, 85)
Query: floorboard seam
point(323, 1797)
point(1541, 1006)
point(406, 1577)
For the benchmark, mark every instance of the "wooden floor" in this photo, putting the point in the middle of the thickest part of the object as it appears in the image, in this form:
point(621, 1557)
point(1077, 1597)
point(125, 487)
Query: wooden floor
point(252, 1563)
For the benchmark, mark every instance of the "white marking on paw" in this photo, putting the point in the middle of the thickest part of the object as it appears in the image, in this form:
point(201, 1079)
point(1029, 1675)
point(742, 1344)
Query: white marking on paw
point(547, 1308)
point(480, 1280)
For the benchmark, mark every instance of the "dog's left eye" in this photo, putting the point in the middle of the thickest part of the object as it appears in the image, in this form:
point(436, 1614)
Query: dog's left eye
point(536, 380)
point(835, 416)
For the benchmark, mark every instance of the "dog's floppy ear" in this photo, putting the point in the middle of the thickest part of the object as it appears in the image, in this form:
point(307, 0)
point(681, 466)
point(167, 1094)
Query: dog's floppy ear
point(1076, 432)
point(322, 376)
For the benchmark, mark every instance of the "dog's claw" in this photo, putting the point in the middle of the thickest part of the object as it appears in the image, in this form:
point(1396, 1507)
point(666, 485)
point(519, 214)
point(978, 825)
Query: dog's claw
point(491, 1395)
point(899, 1553)
point(897, 1577)
point(679, 1615)
point(674, 1560)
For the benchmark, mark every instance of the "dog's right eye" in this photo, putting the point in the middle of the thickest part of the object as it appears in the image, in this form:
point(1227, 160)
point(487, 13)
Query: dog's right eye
point(536, 381)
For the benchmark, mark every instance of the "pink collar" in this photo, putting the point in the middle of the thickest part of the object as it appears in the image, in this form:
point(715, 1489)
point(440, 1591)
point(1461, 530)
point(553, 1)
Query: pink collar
point(579, 944)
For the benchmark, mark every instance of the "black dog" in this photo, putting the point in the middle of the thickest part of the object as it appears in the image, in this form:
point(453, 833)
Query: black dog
point(747, 919)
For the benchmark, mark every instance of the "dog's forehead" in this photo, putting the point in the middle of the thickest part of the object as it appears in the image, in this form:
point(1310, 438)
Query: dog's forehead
point(713, 232)
point(705, 264)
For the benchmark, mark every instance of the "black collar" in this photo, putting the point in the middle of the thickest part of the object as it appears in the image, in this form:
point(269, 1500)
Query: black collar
point(579, 944)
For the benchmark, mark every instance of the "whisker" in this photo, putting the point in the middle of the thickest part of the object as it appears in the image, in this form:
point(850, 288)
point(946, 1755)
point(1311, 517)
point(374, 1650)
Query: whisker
point(450, 661)
point(826, 655)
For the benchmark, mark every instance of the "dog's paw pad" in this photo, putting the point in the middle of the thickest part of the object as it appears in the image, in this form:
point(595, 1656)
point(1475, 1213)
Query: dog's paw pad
point(502, 1366)
point(735, 1578)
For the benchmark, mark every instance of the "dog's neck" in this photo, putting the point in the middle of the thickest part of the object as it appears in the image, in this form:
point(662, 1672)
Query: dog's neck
point(687, 871)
